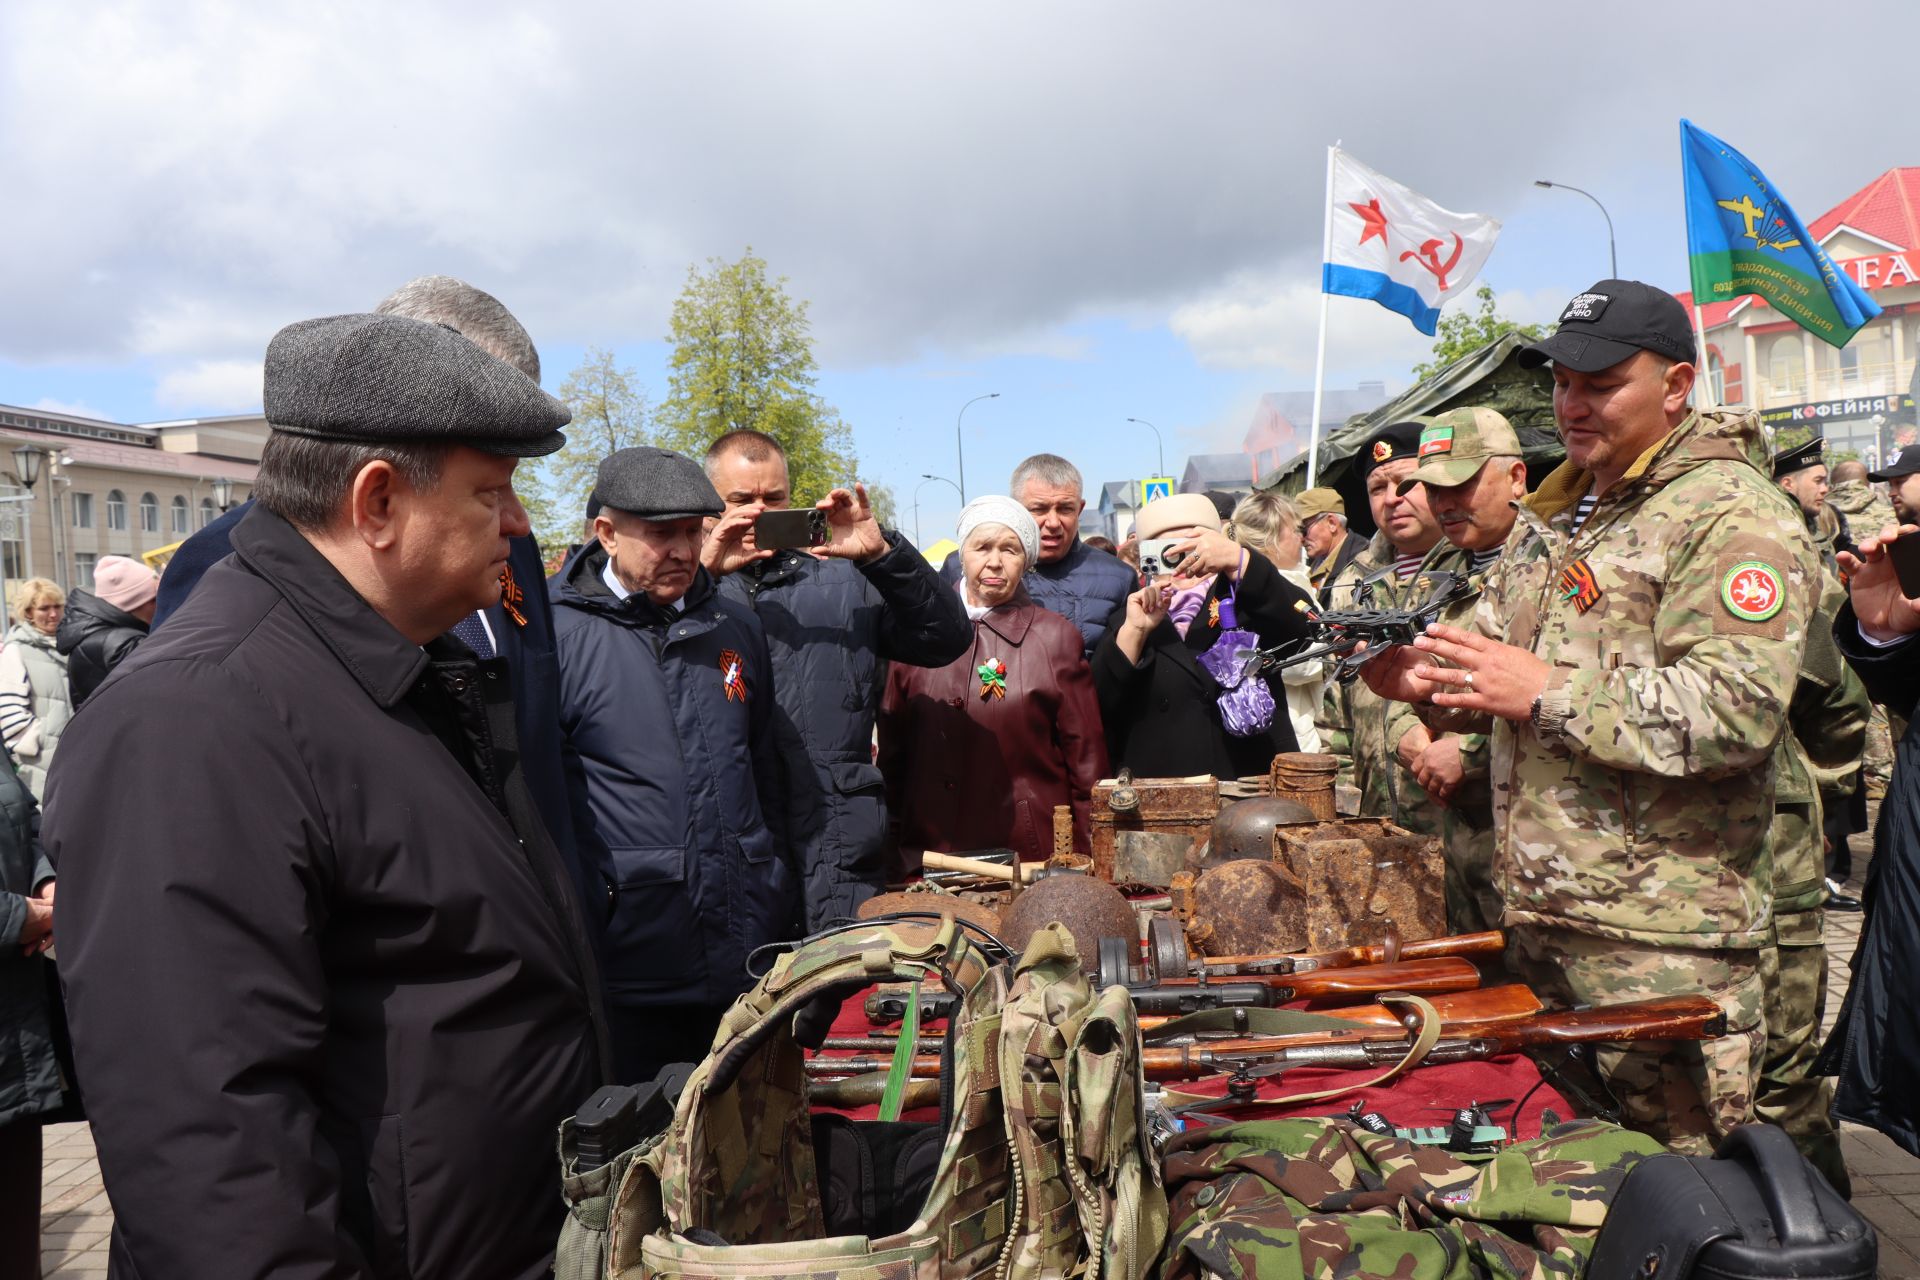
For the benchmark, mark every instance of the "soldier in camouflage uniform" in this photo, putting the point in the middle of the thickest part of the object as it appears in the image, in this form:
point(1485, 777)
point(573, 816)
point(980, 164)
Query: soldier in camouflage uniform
point(1802, 472)
point(1471, 467)
point(1354, 721)
point(1634, 655)
point(1868, 512)
point(1826, 726)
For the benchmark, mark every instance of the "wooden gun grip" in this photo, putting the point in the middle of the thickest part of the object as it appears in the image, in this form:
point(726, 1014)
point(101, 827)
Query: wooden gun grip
point(1416, 977)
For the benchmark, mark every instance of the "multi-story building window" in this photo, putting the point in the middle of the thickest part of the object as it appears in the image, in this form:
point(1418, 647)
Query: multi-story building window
point(83, 562)
point(116, 509)
point(149, 513)
point(82, 510)
point(181, 516)
point(207, 512)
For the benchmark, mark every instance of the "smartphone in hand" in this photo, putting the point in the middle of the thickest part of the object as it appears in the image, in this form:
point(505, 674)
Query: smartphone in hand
point(800, 528)
point(1904, 551)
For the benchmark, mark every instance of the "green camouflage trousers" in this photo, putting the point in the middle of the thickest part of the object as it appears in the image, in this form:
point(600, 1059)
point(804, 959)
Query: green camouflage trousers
point(1291, 1198)
point(1473, 903)
point(1687, 1094)
point(1794, 973)
point(1877, 764)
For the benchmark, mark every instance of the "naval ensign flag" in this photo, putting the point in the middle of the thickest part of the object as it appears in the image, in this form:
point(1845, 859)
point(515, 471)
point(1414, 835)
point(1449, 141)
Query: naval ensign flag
point(1397, 247)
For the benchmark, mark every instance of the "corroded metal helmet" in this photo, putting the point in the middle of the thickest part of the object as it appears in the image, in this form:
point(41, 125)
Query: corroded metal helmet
point(1091, 909)
point(1244, 829)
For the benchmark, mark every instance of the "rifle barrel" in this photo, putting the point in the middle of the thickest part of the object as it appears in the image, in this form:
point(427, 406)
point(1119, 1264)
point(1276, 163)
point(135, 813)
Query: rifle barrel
point(1490, 943)
point(1417, 977)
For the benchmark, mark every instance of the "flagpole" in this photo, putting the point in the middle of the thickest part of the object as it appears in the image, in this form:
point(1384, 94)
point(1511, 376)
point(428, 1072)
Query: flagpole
point(1320, 354)
point(1700, 388)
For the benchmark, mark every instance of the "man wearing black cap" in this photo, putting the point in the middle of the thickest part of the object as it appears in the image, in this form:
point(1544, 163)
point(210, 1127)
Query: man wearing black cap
point(1902, 478)
point(329, 986)
point(666, 697)
point(1634, 659)
point(1357, 720)
point(1802, 472)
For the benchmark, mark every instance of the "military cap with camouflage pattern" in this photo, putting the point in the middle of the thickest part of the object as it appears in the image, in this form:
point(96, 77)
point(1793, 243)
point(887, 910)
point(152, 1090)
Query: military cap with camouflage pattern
point(1458, 443)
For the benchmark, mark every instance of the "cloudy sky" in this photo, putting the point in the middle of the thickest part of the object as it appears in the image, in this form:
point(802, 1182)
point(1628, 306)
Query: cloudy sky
point(1100, 210)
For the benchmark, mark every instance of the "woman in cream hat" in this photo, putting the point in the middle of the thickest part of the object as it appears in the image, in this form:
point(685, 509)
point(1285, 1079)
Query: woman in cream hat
point(977, 754)
point(1161, 706)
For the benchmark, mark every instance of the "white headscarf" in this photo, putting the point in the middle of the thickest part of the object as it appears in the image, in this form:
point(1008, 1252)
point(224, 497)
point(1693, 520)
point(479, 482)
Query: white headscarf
point(999, 509)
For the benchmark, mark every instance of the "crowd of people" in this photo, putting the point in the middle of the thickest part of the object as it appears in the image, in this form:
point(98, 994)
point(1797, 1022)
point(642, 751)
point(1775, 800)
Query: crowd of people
point(442, 843)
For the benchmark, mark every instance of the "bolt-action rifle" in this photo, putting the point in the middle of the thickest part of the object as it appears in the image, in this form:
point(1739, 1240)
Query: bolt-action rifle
point(1169, 961)
point(1416, 977)
point(1248, 1061)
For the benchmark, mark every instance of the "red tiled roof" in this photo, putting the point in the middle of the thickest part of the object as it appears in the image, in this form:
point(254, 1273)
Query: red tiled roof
point(1888, 208)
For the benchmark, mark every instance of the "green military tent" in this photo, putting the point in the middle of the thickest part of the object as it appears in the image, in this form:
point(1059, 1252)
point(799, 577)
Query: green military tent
point(1490, 377)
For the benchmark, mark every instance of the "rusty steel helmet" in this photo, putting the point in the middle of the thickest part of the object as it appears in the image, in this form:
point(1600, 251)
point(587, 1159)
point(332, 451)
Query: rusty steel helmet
point(946, 904)
point(1248, 907)
point(1091, 909)
point(1244, 829)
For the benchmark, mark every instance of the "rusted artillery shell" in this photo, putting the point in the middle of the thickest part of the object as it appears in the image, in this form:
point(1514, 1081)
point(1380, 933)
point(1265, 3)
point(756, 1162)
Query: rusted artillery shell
point(886, 904)
point(1247, 908)
point(1090, 908)
point(1244, 829)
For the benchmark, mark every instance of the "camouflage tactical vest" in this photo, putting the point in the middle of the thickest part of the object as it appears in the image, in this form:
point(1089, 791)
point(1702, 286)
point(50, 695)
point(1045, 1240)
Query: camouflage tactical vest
point(1044, 1170)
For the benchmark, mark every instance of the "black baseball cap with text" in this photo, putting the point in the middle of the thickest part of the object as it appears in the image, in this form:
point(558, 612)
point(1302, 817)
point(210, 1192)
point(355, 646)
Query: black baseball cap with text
point(1611, 322)
point(1904, 463)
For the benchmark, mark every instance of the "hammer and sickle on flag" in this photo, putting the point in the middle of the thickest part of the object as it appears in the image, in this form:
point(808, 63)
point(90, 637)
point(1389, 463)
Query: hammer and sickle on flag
point(734, 675)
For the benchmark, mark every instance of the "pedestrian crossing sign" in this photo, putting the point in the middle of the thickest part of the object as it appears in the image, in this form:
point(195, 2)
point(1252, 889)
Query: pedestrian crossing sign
point(1155, 487)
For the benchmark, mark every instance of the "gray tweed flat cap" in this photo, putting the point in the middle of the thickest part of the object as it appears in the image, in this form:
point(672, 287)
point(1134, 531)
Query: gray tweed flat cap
point(656, 484)
point(376, 379)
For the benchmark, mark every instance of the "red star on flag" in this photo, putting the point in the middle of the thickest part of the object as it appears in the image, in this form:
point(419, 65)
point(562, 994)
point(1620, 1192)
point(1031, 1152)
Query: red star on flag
point(1370, 214)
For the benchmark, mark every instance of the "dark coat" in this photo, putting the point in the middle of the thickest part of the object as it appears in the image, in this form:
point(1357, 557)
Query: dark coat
point(832, 627)
point(1163, 715)
point(29, 1074)
point(95, 637)
point(1343, 555)
point(1084, 586)
point(682, 779)
point(1875, 1044)
point(525, 641)
point(971, 772)
point(330, 994)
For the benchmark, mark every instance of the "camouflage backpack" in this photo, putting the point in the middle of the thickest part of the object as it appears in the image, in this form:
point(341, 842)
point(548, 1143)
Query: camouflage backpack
point(1043, 1168)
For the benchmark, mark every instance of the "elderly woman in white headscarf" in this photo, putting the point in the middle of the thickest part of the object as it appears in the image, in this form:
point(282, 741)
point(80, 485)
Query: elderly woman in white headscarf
point(1157, 671)
point(977, 754)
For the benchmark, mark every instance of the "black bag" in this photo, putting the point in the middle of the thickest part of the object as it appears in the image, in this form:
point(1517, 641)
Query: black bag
point(875, 1175)
point(1755, 1210)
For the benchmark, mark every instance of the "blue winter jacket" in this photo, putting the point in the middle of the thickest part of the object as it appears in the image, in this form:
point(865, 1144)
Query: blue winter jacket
point(670, 721)
point(832, 627)
point(1084, 586)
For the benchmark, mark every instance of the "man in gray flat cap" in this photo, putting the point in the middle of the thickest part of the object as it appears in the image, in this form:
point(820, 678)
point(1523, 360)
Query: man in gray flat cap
point(666, 698)
point(329, 988)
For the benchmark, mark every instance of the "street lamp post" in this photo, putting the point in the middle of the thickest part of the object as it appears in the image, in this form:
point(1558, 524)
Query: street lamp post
point(924, 478)
point(959, 447)
point(1157, 443)
point(1613, 258)
point(223, 493)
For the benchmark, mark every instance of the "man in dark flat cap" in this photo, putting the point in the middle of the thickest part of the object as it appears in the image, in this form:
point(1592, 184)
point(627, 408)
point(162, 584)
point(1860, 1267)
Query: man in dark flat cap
point(330, 990)
point(666, 698)
point(1802, 472)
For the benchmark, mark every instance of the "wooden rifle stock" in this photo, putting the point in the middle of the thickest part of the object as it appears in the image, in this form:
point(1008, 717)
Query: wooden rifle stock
point(1488, 1004)
point(1491, 943)
point(1416, 977)
point(1668, 1018)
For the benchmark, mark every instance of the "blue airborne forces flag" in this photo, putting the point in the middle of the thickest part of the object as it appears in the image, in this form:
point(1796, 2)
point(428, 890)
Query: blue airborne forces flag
point(1742, 238)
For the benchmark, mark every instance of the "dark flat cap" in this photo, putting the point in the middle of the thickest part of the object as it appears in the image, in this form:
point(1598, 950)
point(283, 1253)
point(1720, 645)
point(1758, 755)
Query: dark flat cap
point(656, 484)
point(1800, 457)
point(1401, 440)
point(375, 379)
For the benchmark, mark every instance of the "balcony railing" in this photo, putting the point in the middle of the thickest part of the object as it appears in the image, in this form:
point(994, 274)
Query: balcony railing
point(1881, 378)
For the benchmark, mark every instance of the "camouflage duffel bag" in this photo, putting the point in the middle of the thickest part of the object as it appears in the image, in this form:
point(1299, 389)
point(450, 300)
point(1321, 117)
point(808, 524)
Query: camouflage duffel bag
point(1327, 1198)
point(1041, 1165)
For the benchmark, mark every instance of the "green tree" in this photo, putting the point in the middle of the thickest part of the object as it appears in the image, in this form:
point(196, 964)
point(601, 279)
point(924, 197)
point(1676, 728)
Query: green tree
point(609, 412)
point(743, 357)
point(1464, 331)
point(886, 508)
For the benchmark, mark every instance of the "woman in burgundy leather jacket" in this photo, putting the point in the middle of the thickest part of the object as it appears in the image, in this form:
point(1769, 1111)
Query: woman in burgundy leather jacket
point(978, 753)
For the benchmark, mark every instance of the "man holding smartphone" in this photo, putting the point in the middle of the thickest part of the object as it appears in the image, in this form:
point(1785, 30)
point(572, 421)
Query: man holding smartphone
point(835, 614)
point(1875, 1046)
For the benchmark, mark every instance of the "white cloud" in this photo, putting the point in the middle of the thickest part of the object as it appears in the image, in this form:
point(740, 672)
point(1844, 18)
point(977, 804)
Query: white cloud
point(76, 408)
point(1271, 321)
point(211, 386)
